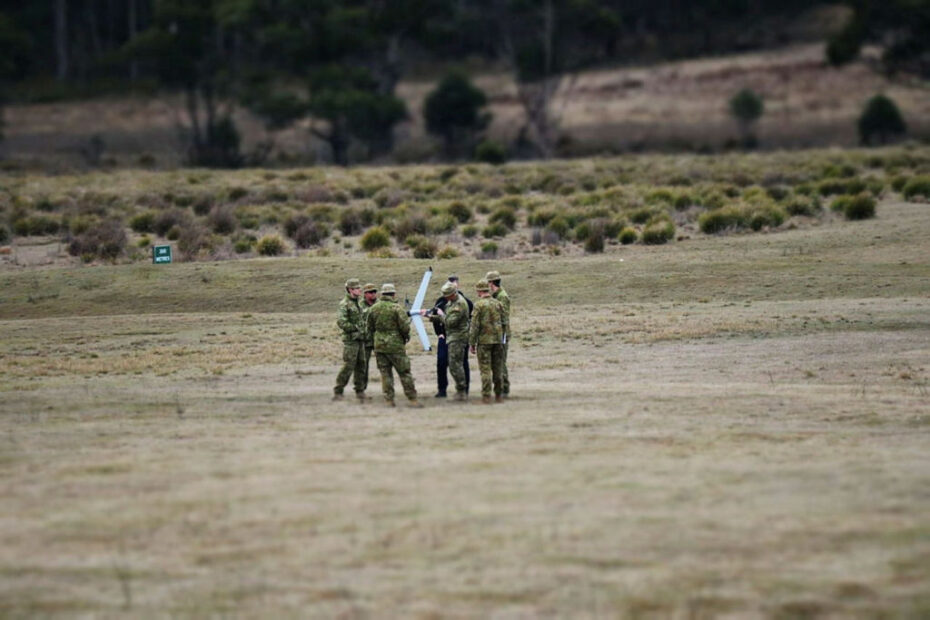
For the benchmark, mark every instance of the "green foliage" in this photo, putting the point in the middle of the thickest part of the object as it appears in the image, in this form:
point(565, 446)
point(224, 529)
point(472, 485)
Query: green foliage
point(505, 216)
point(628, 235)
point(243, 244)
point(270, 245)
point(881, 121)
point(720, 220)
point(460, 211)
point(489, 249)
point(143, 222)
point(917, 186)
point(558, 226)
point(374, 238)
point(447, 252)
point(747, 106)
point(594, 240)
point(36, 226)
point(441, 224)
point(491, 152)
point(860, 207)
point(658, 231)
point(422, 247)
point(222, 220)
point(452, 111)
point(497, 229)
point(469, 231)
point(311, 233)
point(4, 234)
point(802, 205)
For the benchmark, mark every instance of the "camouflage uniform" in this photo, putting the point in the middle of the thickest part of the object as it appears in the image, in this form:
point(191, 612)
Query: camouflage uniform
point(353, 343)
point(369, 336)
point(390, 326)
point(502, 296)
point(455, 320)
point(488, 326)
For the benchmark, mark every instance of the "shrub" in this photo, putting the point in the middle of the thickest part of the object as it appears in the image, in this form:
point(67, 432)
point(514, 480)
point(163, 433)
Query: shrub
point(382, 253)
point(839, 203)
point(628, 235)
point(311, 233)
point(917, 186)
point(351, 222)
point(169, 219)
point(860, 207)
point(495, 230)
point(594, 244)
point(505, 216)
point(143, 222)
point(719, 220)
point(413, 224)
point(658, 231)
point(36, 225)
point(469, 231)
point(881, 121)
point(460, 212)
point(660, 195)
point(106, 240)
point(898, 182)
point(243, 244)
point(489, 249)
point(802, 205)
point(540, 217)
point(583, 231)
point(375, 238)
point(173, 233)
point(558, 226)
point(270, 245)
point(222, 220)
point(764, 215)
point(192, 240)
point(441, 224)
point(491, 152)
point(4, 234)
point(424, 248)
point(144, 242)
point(447, 252)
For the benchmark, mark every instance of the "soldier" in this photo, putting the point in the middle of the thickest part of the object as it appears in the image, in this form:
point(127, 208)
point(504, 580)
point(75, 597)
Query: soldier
point(453, 316)
point(390, 326)
point(369, 298)
point(488, 326)
point(442, 351)
point(353, 342)
point(498, 293)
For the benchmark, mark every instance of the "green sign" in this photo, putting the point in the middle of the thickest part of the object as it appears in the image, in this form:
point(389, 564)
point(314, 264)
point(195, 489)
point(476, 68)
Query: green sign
point(161, 253)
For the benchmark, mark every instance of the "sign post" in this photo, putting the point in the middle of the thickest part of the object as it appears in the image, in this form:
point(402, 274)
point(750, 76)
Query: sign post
point(161, 254)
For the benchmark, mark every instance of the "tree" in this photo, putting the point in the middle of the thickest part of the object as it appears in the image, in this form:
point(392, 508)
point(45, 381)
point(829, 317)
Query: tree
point(14, 52)
point(453, 112)
point(881, 121)
point(902, 26)
point(747, 107)
point(188, 49)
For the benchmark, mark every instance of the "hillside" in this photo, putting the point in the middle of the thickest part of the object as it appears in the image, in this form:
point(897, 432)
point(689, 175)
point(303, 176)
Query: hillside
point(677, 106)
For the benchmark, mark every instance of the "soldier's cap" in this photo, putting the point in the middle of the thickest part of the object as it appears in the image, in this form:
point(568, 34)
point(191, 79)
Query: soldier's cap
point(492, 276)
point(482, 286)
point(353, 283)
point(453, 278)
point(369, 288)
point(447, 289)
point(387, 289)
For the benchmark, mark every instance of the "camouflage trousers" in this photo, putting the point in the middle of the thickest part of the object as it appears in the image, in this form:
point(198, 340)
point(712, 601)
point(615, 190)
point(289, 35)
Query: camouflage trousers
point(505, 374)
point(457, 351)
point(389, 362)
point(368, 351)
point(353, 365)
point(491, 364)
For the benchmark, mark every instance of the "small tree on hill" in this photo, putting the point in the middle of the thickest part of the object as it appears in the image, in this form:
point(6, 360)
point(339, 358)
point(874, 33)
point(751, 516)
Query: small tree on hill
point(881, 121)
point(747, 107)
point(453, 112)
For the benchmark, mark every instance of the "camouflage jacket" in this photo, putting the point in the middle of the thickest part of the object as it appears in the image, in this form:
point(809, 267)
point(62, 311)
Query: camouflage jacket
point(389, 325)
point(488, 324)
point(455, 320)
point(369, 335)
point(502, 296)
point(350, 320)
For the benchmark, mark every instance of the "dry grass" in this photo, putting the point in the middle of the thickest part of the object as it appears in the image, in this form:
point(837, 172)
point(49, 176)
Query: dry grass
point(728, 426)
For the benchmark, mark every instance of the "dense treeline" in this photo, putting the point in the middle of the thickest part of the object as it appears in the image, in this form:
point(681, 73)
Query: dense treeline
point(337, 62)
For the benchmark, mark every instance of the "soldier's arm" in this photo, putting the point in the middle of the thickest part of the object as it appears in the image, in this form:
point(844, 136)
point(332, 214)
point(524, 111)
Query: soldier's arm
point(343, 321)
point(403, 324)
point(473, 329)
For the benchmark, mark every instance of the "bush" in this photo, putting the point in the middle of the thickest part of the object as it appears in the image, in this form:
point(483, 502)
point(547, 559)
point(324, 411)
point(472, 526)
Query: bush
point(424, 248)
point(222, 220)
point(489, 249)
point(917, 186)
point(143, 222)
point(658, 231)
point(311, 233)
point(558, 226)
point(382, 253)
point(375, 238)
point(643, 215)
point(36, 226)
point(192, 240)
point(469, 231)
point(491, 152)
point(106, 240)
point(495, 230)
point(761, 216)
point(169, 219)
point(719, 220)
point(351, 222)
point(505, 216)
point(628, 235)
point(860, 207)
point(839, 203)
point(881, 121)
point(4, 234)
point(447, 252)
point(413, 224)
point(898, 182)
point(441, 224)
point(144, 242)
point(460, 212)
point(243, 244)
point(270, 245)
point(594, 244)
point(802, 205)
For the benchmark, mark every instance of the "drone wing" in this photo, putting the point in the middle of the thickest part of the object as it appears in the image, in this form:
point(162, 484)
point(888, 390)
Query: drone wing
point(414, 310)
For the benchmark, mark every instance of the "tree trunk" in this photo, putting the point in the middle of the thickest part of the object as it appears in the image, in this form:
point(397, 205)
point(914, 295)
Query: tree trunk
point(61, 40)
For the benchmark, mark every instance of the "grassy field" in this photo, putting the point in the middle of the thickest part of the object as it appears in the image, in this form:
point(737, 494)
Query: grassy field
point(732, 425)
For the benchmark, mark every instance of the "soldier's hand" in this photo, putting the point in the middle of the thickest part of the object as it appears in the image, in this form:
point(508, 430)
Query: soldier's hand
point(472, 349)
point(440, 312)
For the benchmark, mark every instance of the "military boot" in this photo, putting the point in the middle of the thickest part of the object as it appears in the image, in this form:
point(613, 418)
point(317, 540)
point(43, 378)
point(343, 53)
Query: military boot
point(389, 402)
point(485, 400)
point(338, 397)
point(415, 404)
point(362, 397)
point(460, 397)
point(498, 399)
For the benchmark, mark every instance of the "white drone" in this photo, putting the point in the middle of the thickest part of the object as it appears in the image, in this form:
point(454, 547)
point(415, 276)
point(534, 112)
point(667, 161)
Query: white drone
point(413, 310)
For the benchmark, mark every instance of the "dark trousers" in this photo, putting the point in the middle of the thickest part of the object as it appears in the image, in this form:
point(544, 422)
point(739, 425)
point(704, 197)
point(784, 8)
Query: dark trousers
point(442, 367)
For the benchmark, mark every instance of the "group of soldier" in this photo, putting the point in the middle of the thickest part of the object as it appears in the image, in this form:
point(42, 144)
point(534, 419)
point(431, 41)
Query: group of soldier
point(372, 323)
